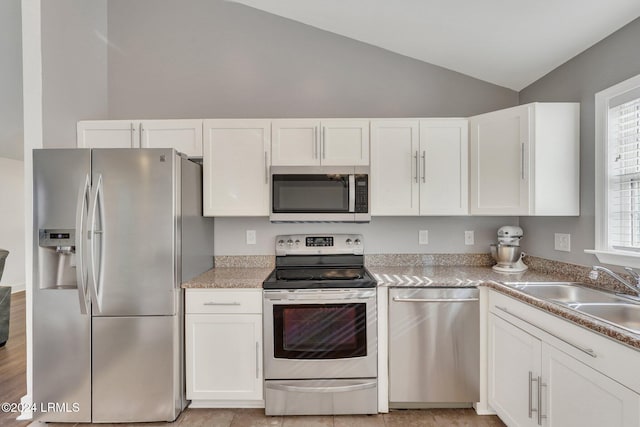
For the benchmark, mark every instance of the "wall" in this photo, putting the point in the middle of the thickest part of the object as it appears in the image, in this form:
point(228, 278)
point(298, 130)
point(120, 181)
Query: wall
point(12, 222)
point(74, 67)
point(608, 62)
point(381, 235)
point(206, 58)
point(10, 80)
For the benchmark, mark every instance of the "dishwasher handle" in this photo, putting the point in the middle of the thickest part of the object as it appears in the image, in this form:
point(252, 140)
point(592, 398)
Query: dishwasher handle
point(398, 299)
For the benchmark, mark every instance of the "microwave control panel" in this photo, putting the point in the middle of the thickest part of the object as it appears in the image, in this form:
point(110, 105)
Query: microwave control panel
point(362, 194)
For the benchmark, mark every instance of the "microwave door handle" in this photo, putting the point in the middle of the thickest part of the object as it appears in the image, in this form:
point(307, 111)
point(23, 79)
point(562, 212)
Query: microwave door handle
point(352, 193)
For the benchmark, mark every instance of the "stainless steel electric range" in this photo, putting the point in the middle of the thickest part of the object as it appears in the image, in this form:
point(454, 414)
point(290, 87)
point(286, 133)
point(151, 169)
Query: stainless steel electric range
point(320, 329)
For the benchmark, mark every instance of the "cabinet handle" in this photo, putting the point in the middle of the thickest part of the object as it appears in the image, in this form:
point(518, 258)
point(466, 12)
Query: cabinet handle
point(131, 133)
point(415, 156)
point(257, 360)
point(324, 145)
point(221, 303)
point(424, 166)
point(397, 299)
point(540, 416)
point(522, 160)
point(588, 351)
point(140, 136)
point(531, 381)
point(266, 168)
point(315, 142)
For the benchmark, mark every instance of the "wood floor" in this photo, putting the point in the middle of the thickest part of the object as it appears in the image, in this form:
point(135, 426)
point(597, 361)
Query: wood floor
point(13, 361)
point(13, 387)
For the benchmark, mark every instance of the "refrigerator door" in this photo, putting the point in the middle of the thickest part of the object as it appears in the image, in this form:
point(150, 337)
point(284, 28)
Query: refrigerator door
point(132, 224)
point(61, 332)
point(135, 371)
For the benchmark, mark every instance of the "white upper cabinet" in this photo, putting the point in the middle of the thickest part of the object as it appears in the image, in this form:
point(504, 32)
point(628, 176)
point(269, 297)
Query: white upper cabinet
point(183, 135)
point(444, 153)
point(525, 160)
point(419, 167)
point(108, 134)
point(312, 142)
point(236, 167)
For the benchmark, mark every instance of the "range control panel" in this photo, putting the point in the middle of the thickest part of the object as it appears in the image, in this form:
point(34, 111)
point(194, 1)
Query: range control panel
point(319, 244)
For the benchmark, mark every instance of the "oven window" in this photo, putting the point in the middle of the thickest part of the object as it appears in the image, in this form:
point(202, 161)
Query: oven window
point(320, 331)
point(310, 193)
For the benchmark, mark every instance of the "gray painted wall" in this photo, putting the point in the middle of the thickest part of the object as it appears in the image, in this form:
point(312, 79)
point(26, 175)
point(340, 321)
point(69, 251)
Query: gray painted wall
point(381, 235)
point(11, 135)
point(212, 59)
point(74, 67)
point(610, 61)
point(203, 58)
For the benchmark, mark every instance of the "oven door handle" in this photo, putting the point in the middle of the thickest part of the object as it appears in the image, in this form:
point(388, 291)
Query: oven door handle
point(324, 389)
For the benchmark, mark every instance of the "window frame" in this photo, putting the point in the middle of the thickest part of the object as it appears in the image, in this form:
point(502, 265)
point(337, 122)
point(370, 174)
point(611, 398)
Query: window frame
point(603, 250)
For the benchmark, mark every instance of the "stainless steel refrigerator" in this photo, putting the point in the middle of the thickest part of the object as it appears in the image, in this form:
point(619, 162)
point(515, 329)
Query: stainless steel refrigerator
point(118, 231)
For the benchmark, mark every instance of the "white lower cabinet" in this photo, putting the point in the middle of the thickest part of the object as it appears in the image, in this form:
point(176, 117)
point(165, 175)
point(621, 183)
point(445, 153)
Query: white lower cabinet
point(533, 382)
point(224, 348)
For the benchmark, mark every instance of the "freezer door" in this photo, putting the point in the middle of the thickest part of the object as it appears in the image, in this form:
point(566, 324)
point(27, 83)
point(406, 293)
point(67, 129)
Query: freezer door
point(132, 224)
point(61, 332)
point(135, 369)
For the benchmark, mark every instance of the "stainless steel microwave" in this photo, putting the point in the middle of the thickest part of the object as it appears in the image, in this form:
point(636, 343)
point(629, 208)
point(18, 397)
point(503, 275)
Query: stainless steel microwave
point(320, 194)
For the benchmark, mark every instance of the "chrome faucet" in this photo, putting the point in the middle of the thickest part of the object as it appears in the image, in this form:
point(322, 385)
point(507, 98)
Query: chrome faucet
point(593, 275)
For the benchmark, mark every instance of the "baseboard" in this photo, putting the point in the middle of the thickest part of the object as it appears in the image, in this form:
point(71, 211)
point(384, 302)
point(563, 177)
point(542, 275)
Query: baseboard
point(226, 404)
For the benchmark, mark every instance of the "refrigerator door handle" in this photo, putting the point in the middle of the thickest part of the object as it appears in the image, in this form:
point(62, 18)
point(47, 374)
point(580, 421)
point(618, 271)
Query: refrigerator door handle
point(81, 208)
point(95, 274)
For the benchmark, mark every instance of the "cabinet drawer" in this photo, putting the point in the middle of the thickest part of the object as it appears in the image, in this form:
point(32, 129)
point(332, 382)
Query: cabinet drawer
point(224, 301)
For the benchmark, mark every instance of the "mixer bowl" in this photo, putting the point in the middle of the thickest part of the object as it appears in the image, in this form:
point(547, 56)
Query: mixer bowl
point(505, 254)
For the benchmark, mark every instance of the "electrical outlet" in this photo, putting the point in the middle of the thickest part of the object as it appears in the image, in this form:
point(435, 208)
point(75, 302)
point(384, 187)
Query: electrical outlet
point(469, 238)
point(423, 237)
point(562, 242)
point(251, 237)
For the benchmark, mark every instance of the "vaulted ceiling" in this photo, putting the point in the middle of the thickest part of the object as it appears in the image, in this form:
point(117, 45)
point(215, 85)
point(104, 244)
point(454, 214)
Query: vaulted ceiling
point(511, 43)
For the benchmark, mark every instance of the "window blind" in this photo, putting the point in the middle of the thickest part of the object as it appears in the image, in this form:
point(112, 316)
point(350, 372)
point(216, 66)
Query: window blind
point(624, 174)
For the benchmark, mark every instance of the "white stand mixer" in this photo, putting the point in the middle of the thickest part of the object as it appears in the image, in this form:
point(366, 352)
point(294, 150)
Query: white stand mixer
point(507, 252)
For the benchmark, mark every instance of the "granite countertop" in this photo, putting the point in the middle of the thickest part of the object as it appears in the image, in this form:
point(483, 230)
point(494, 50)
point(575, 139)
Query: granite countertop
point(466, 276)
point(453, 276)
point(619, 334)
point(434, 275)
point(230, 278)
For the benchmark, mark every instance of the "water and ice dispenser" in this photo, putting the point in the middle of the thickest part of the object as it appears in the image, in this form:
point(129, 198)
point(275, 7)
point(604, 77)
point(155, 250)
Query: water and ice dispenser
point(57, 258)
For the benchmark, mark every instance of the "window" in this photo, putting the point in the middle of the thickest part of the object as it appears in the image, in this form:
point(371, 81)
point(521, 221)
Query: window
point(618, 174)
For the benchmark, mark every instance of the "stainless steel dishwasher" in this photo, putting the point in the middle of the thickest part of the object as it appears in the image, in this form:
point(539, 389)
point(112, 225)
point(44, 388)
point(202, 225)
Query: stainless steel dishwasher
point(434, 346)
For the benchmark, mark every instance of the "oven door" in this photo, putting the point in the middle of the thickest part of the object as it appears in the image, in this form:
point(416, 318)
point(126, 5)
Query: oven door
point(320, 333)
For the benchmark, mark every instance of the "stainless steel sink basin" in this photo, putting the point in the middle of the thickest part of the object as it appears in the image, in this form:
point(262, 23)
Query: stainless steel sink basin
point(626, 316)
point(565, 292)
point(612, 308)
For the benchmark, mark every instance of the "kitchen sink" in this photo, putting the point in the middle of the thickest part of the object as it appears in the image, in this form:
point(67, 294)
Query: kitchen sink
point(625, 315)
point(612, 308)
point(566, 292)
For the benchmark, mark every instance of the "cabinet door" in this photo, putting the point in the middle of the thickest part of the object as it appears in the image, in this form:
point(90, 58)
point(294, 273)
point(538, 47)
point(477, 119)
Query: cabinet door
point(183, 135)
point(295, 142)
point(394, 167)
point(236, 167)
point(499, 162)
point(577, 395)
point(345, 143)
point(224, 356)
point(514, 358)
point(108, 134)
point(444, 148)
